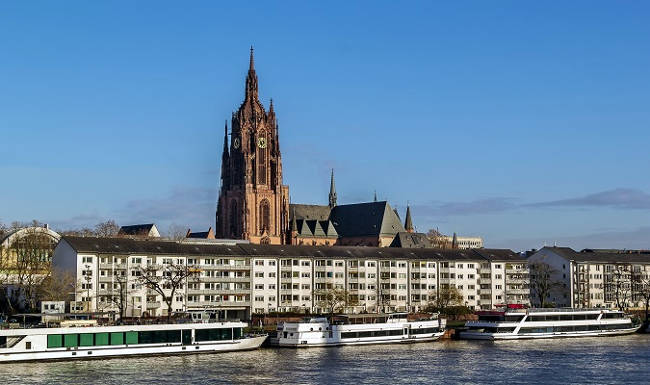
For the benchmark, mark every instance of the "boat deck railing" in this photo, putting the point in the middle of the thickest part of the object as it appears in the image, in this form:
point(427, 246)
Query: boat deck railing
point(21, 325)
point(557, 310)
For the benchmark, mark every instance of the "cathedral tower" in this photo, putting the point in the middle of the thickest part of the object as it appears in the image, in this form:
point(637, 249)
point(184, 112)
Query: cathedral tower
point(253, 203)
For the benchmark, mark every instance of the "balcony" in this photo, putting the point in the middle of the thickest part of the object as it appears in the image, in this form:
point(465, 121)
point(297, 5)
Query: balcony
point(112, 266)
point(153, 305)
point(517, 291)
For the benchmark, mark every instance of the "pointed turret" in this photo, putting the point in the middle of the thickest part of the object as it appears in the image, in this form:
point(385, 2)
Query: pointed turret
point(225, 139)
point(294, 221)
point(293, 230)
point(375, 196)
point(332, 192)
point(251, 79)
point(454, 242)
point(251, 63)
point(225, 157)
point(408, 223)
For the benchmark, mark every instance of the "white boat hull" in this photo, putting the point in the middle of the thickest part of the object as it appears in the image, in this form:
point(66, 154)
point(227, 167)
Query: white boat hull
point(511, 336)
point(139, 350)
point(356, 341)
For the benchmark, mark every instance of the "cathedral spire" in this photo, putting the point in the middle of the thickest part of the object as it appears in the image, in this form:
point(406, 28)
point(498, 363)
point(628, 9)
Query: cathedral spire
point(375, 196)
point(408, 223)
point(332, 191)
point(225, 158)
point(251, 79)
point(225, 139)
point(251, 64)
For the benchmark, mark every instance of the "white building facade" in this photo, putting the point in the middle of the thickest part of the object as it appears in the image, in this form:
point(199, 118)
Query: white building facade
point(240, 279)
point(593, 278)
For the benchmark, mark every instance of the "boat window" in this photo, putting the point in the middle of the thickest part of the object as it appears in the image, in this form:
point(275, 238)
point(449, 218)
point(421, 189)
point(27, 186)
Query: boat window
point(213, 334)
point(101, 339)
point(117, 338)
point(131, 338)
point(54, 340)
point(536, 330)
point(28, 345)
point(514, 318)
point(86, 339)
point(424, 330)
point(71, 340)
point(349, 335)
point(159, 336)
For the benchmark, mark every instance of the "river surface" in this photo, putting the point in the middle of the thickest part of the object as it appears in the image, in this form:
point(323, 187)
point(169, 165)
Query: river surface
point(604, 360)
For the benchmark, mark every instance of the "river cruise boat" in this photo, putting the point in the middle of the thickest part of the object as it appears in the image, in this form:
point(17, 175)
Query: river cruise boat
point(83, 342)
point(512, 323)
point(360, 329)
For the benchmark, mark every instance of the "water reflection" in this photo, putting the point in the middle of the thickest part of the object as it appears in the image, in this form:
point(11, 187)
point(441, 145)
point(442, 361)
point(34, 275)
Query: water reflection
point(579, 360)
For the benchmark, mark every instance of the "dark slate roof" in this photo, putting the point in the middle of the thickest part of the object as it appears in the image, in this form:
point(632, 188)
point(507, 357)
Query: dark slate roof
point(406, 239)
point(162, 247)
point(318, 212)
point(499, 254)
point(136, 229)
point(198, 234)
point(600, 256)
point(366, 219)
point(147, 246)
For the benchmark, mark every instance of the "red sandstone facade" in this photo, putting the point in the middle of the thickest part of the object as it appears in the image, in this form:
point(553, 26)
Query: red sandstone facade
point(253, 203)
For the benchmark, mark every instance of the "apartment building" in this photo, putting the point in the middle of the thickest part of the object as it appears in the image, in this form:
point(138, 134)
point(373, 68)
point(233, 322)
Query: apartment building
point(595, 278)
point(236, 280)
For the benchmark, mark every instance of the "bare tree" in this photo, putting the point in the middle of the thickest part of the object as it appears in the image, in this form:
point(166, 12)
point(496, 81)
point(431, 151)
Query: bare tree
point(6, 269)
point(82, 232)
point(28, 262)
point(3, 229)
point(335, 300)
point(542, 282)
point(641, 287)
point(438, 239)
point(621, 284)
point(120, 294)
point(59, 285)
point(444, 297)
point(165, 280)
point(107, 229)
point(176, 232)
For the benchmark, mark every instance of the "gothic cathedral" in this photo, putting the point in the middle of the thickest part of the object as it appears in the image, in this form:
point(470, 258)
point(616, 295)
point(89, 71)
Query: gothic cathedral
point(253, 203)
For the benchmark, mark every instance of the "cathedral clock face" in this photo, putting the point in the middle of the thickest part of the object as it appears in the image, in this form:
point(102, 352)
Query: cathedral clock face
point(235, 143)
point(261, 142)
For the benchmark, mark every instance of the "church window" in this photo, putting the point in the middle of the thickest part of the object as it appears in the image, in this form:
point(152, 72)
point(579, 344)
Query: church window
point(265, 216)
point(262, 166)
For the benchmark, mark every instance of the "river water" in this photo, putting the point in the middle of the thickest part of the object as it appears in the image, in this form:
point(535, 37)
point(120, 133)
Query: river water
point(604, 360)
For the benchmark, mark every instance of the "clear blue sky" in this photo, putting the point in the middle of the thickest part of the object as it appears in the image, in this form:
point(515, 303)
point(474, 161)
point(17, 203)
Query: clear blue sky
point(522, 122)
